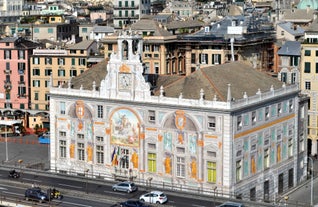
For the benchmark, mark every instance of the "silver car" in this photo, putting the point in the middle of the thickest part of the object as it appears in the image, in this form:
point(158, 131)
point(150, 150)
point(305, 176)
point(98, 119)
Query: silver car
point(125, 187)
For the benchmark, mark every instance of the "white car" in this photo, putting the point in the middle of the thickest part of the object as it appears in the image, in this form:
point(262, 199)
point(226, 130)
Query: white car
point(157, 197)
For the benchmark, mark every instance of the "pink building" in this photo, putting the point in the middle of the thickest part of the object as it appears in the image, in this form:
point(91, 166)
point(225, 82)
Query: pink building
point(14, 76)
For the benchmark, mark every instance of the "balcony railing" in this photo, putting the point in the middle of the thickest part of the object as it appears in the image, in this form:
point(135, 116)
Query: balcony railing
point(126, 7)
point(7, 71)
point(21, 82)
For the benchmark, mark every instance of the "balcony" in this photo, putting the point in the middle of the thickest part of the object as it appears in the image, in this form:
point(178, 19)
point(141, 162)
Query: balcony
point(21, 82)
point(22, 95)
point(126, 17)
point(7, 85)
point(126, 7)
point(7, 71)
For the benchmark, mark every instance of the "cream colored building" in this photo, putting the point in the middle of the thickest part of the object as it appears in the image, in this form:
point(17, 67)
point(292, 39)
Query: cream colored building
point(210, 130)
point(309, 83)
point(58, 66)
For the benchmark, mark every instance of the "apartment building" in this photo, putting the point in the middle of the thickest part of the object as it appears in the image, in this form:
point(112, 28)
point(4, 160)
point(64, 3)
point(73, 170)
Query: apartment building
point(14, 75)
point(128, 12)
point(56, 66)
point(209, 130)
point(308, 82)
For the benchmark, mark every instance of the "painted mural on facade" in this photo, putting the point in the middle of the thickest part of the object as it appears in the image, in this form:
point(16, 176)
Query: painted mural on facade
point(125, 128)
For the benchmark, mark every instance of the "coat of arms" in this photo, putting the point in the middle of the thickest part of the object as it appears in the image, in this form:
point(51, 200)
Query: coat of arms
point(180, 120)
point(80, 109)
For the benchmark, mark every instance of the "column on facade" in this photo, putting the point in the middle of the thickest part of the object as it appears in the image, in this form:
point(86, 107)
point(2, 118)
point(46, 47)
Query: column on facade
point(201, 158)
point(314, 146)
point(129, 50)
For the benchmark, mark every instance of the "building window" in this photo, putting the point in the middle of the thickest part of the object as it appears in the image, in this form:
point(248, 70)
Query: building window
point(253, 117)
point(307, 67)
point(100, 154)
point(239, 123)
point(180, 167)
point(193, 58)
point(211, 123)
point(48, 61)
point(100, 111)
point(307, 85)
point(316, 67)
point(82, 61)
point(7, 54)
point(279, 109)
point(211, 171)
point(62, 134)
point(294, 61)
point(293, 77)
point(99, 139)
point(47, 97)
point(266, 113)
point(50, 30)
point(36, 61)
point(73, 61)
point(80, 136)
point(47, 72)
point(291, 106)
point(47, 83)
point(21, 54)
point(62, 148)
point(36, 72)
point(62, 107)
point(36, 83)
point(216, 59)
point(61, 73)
point(283, 77)
point(73, 73)
point(61, 61)
point(266, 158)
point(152, 116)
point(84, 30)
point(36, 96)
point(238, 170)
point(81, 151)
point(152, 162)
point(307, 53)
point(253, 194)
point(290, 147)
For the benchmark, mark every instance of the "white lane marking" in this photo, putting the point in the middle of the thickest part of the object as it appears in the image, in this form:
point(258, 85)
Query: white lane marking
point(8, 192)
point(77, 204)
point(72, 186)
point(117, 193)
point(170, 201)
point(1, 188)
point(32, 180)
point(197, 205)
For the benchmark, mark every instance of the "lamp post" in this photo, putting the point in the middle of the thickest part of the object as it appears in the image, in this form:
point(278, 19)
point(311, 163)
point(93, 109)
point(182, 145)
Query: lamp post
point(6, 140)
point(86, 183)
point(312, 182)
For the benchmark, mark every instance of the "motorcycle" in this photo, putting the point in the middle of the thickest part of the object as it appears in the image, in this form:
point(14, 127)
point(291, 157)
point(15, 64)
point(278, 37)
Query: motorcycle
point(55, 194)
point(14, 174)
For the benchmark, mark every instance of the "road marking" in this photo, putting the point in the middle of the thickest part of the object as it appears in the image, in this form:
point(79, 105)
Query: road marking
point(8, 192)
point(77, 204)
point(197, 205)
point(32, 180)
point(170, 201)
point(1, 188)
point(117, 193)
point(72, 186)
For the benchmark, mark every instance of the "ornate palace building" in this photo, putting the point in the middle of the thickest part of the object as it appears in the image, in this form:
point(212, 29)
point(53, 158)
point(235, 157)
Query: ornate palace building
point(228, 127)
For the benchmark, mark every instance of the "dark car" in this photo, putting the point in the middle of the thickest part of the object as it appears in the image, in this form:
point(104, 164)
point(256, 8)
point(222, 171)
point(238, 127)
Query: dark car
point(133, 203)
point(14, 174)
point(36, 194)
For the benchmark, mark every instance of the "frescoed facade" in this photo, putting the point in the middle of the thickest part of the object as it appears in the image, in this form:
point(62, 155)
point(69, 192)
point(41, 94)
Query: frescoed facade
point(199, 139)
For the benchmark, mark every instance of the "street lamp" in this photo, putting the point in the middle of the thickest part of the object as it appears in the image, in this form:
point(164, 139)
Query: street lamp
point(312, 182)
point(86, 187)
point(6, 140)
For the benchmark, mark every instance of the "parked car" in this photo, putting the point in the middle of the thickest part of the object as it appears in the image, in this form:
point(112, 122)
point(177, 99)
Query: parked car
point(133, 203)
point(125, 186)
point(14, 174)
point(231, 204)
point(36, 194)
point(157, 197)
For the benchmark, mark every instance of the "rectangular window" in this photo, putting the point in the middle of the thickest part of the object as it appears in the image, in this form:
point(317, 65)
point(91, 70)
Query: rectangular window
point(80, 136)
point(62, 148)
point(81, 151)
point(48, 61)
point(21, 68)
point(62, 133)
point(291, 106)
point(266, 158)
point(47, 72)
point(238, 170)
point(307, 67)
point(36, 30)
point(47, 83)
point(316, 67)
point(7, 54)
point(61, 73)
point(279, 109)
point(290, 147)
point(62, 107)
point(21, 54)
point(253, 117)
point(99, 139)
point(211, 123)
point(61, 61)
point(152, 116)
point(36, 96)
point(216, 59)
point(266, 113)
point(211, 171)
point(84, 30)
point(36, 83)
point(307, 85)
point(82, 61)
point(193, 58)
point(180, 167)
point(73, 61)
point(100, 154)
point(50, 30)
point(307, 52)
point(239, 123)
point(36, 61)
point(36, 72)
point(73, 73)
point(47, 97)
point(152, 162)
point(100, 111)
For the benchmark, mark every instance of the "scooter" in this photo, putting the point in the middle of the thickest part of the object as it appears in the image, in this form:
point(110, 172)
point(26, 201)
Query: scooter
point(14, 174)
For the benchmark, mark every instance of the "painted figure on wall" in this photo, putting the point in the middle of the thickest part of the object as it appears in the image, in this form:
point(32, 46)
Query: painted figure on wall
point(192, 144)
point(89, 153)
point(193, 166)
point(134, 159)
point(167, 164)
point(180, 138)
point(89, 130)
point(72, 150)
point(125, 128)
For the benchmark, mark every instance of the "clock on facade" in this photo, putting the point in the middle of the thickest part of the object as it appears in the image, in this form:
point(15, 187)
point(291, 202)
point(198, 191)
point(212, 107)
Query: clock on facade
point(125, 81)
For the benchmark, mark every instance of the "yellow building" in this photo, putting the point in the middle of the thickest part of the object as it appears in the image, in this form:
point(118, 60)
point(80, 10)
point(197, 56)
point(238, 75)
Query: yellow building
point(309, 83)
point(57, 65)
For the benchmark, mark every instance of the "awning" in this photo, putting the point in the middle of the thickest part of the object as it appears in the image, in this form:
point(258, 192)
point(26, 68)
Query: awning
point(10, 122)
